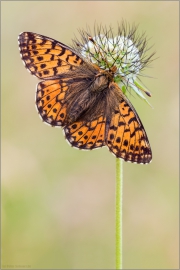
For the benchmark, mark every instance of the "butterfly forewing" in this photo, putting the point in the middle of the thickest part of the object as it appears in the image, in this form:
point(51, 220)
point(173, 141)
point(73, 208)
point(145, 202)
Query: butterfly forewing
point(46, 57)
point(126, 137)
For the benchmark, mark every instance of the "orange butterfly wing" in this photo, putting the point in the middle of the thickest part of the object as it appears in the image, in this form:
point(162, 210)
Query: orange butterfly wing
point(50, 101)
point(86, 135)
point(126, 136)
point(45, 57)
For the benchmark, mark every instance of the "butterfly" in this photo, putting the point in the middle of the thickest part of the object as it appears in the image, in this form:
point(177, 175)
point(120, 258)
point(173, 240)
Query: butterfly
point(84, 99)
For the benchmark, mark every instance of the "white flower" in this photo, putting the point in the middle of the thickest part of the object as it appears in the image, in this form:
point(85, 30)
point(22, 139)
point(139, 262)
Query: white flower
point(126, 51)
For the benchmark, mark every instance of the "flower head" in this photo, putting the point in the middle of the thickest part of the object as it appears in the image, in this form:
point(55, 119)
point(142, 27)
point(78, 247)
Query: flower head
point(126, 51)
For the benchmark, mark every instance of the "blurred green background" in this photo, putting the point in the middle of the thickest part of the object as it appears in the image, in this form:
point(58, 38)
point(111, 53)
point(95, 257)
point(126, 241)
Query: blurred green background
point(58, 203)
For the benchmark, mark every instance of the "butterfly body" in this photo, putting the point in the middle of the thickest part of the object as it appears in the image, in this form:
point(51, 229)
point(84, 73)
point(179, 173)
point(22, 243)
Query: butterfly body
point(83, 99)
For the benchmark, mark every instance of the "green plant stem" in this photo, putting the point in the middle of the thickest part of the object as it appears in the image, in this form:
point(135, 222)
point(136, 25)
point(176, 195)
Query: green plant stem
point(119, 194)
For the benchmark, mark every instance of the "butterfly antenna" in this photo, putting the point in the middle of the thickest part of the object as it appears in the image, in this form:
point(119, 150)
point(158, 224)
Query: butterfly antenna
point(98, 47)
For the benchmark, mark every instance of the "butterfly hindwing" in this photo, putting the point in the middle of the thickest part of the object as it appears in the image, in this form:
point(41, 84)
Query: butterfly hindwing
point(50, 101)
point(87, 135)
point(45, 57)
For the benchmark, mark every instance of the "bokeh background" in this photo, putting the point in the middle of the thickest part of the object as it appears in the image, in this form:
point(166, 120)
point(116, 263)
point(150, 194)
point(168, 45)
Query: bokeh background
point(58, 203)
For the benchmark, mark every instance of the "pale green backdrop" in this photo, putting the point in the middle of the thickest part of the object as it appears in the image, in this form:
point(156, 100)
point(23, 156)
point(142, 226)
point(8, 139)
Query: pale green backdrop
point(58, 203)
